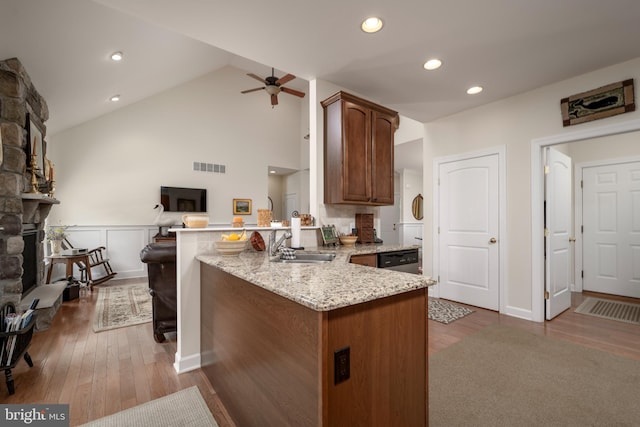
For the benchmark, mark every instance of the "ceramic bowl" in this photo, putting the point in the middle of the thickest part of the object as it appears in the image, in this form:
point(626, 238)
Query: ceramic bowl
point(230, 247)
point(348, 240)
point(195, 221)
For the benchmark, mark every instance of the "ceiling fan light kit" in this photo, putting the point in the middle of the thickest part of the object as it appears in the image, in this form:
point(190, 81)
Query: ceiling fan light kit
point(273, 86)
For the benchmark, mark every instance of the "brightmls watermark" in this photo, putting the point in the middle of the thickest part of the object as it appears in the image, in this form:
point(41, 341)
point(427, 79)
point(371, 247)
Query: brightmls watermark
point(35, 415)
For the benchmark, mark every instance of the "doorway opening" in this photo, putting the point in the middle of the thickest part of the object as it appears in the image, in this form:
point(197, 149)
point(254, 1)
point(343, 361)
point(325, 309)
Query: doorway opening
point(537, 200)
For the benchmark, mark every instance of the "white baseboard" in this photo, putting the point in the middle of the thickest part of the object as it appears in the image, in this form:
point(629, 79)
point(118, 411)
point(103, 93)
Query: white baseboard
point(186, 364)
point(519, 313)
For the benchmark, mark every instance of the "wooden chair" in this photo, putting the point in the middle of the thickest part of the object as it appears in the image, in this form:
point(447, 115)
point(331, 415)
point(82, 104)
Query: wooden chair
point(96, 259)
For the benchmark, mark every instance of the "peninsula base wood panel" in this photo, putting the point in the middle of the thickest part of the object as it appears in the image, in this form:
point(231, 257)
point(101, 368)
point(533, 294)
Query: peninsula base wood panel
point(271, 360)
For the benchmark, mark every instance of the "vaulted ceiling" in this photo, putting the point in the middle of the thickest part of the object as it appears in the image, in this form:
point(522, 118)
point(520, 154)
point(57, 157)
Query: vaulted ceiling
point(505, 46)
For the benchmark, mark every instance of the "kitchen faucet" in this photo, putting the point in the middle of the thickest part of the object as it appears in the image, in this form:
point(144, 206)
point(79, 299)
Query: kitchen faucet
point(274, 245)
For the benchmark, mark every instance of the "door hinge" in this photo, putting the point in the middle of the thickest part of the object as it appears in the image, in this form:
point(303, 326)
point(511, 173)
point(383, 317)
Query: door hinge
point(581, 184)
point(438, 279)
point(582, 229)
point(582, 273)
point(546, 294)
point(546, 170)
point(438, 181)
point(438, 230)
point(546, 232)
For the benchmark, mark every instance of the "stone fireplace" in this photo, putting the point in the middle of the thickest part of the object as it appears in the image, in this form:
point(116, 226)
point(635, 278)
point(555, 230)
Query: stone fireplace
point(22, 213)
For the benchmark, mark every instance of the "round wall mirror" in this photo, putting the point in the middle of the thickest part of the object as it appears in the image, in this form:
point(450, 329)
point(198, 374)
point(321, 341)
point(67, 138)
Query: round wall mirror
point(416, 207)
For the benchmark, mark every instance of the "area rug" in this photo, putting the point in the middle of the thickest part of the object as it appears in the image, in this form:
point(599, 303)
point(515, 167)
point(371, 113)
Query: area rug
point(122, 305)
point(609, 309)
point(446, 312)
point(183, 408)
point(503, 376)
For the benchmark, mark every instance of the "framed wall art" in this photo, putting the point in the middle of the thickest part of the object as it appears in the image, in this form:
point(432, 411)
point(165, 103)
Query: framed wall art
point(605, 101)
point(242, 206)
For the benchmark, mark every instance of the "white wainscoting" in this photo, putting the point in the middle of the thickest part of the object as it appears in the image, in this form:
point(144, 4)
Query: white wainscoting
point(123, 245)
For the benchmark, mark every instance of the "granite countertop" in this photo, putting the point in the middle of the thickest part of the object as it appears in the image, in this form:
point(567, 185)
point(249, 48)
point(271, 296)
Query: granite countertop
point(323, 286)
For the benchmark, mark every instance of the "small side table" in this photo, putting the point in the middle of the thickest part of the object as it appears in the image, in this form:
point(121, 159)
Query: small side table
point(69, 260)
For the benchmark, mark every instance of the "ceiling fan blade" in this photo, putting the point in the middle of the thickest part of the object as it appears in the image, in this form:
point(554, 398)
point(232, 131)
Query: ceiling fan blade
point(252, 90)
point(284, 79)
point(260, 79)
point(292, 92)
point(274, 99)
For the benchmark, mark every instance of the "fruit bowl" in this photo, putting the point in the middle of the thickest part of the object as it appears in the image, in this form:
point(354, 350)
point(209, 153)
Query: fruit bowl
point(230, 247)
point(348, 240)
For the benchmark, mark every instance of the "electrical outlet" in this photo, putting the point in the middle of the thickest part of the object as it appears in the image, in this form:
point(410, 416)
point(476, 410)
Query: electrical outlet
point(341, 365)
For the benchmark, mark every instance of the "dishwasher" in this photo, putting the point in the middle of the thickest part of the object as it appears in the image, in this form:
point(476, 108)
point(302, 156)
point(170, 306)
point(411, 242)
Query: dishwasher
point(404, 260)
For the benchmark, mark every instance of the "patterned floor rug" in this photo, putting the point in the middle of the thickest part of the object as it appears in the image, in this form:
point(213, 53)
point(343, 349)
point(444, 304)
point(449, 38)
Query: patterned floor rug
point(446, 312)
point(122, 305)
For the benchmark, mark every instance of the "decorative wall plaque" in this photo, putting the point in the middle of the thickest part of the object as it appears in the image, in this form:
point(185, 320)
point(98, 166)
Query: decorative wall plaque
point(605, 101)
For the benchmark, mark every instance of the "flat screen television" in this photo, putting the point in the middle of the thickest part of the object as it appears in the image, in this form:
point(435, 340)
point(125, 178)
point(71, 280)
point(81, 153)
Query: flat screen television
point(178, 199)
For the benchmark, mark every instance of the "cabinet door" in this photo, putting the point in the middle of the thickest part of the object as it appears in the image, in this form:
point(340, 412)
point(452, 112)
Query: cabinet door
point(383, 127)
point(369, 260)
point(356, 150)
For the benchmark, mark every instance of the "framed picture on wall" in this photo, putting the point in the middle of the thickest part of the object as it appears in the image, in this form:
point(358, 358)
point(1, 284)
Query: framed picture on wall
point(242, 206)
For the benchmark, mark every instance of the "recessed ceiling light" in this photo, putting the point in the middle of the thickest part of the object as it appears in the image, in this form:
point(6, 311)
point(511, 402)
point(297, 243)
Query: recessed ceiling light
point(115, 98)
point(474, 90)
point(432, 64)
point(371, 25)
point(272, 171)
point(116, 56)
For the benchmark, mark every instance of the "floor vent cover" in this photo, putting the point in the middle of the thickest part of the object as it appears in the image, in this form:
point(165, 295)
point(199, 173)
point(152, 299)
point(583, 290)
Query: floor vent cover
point(609, 309)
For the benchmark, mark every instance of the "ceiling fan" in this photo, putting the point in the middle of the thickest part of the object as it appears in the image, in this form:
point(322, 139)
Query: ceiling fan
point(274, 86)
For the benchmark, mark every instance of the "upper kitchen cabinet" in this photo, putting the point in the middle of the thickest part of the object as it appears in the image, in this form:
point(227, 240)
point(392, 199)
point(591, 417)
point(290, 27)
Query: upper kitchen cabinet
point(358, 151)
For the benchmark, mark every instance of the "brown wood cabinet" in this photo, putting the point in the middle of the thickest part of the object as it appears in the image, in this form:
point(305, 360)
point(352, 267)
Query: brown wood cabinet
point(369, 260)
point(358, 151)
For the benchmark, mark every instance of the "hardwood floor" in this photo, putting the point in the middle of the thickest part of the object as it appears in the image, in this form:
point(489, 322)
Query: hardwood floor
point(611, 336)
point(98, 374)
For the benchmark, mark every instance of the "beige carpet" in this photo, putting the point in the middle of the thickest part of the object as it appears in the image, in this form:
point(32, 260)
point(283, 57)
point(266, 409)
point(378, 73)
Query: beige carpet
point(122, 305)
point(504, 376)
point(183, 408)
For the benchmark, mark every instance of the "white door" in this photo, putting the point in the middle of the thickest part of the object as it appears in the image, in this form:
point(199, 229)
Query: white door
point(290, 205)
point(468, 227)
point(611, 233)
point(558, 259)
point(389, 218)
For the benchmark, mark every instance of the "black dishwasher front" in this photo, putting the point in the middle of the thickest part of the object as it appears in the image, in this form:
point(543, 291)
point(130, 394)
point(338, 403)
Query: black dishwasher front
point(405, 260)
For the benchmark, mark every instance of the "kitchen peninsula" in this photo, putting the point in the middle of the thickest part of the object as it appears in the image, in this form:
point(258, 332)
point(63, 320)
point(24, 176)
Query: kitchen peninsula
point(267, 335)
point(314, 344)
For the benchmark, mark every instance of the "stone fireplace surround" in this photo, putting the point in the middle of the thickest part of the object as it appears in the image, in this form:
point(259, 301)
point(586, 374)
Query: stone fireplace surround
point(19, 210)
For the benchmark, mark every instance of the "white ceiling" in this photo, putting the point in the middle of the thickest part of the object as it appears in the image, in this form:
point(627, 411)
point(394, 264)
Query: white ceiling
point(506, 46)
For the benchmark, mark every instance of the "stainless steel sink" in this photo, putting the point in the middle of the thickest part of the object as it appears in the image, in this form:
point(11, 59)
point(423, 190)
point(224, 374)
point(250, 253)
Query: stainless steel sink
point(306, 258)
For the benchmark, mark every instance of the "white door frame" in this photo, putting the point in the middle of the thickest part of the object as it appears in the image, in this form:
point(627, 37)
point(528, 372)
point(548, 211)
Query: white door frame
point(502, 209)
point(537, 197)
point(578, 210)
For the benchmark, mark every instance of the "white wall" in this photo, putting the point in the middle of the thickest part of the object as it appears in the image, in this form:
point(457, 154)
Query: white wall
point(610, 147)
point(513, 123)
point(109, 170)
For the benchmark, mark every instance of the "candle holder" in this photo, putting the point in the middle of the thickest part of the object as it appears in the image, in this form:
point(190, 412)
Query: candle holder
point(34, 178)
point(52, 188)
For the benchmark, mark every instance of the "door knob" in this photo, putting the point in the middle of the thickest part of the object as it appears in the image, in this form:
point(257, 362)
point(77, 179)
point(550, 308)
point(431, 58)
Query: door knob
point(493, 240)
point(572, 239)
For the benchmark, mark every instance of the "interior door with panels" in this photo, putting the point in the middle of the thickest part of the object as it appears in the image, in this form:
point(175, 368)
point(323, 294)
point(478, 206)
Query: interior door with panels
point(558, 227)
point(468, 231)
point(611, 229)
